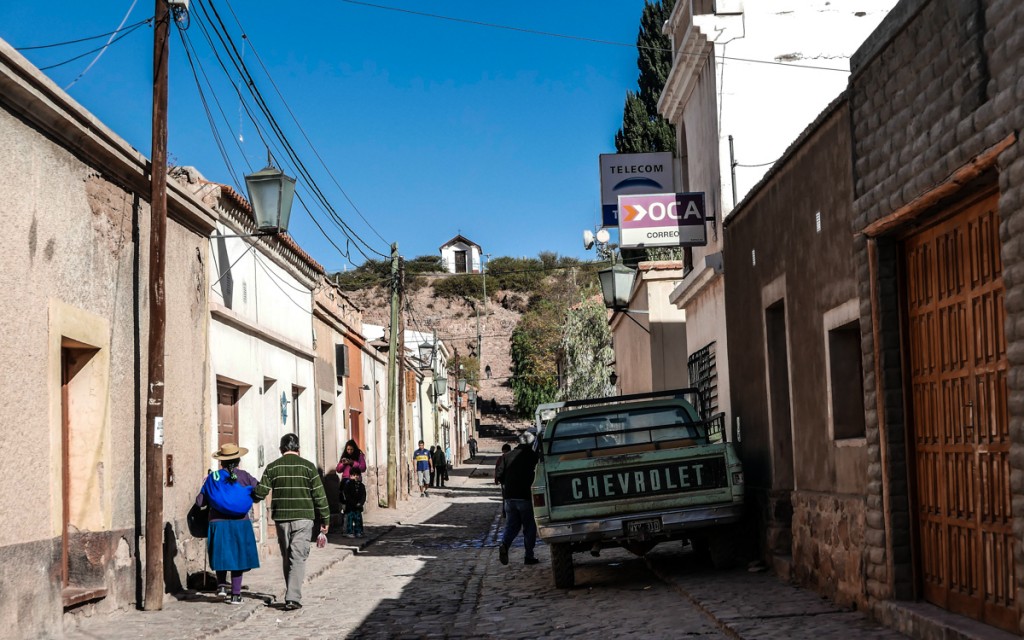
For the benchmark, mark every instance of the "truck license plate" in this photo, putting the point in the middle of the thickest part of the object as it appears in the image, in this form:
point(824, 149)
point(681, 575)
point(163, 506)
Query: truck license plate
point(643, 527)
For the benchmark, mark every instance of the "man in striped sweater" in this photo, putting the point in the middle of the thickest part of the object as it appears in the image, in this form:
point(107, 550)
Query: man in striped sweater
point(298, 494)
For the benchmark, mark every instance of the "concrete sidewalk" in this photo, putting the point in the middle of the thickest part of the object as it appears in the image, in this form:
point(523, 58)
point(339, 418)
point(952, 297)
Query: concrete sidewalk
point(191, 614)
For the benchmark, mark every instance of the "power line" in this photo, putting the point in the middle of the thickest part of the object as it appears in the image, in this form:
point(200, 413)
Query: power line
point(126, 33)
point(442, 275)
point(286, 294)
point(301, 129)
point(552, 34)
point(220, 30)
point(259, 132)
point(105, 47)
point(754, 166)
point(209, 117)
point(288, 152)
point(86, 39)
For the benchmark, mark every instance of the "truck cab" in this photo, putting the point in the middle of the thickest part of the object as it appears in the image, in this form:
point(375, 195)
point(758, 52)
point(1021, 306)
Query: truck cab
point(634, 471)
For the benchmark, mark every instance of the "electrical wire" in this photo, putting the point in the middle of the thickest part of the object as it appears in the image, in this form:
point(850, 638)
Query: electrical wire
point(86, 39)
point(259, 129)
point(754, 166)
point(551, 34)
point(229, 47)
point(190, 48)
point(440, 275)
point(281, 289)
point(105, 47)
point(266, 140)
point(209, 116)
point(295, 119)
point(126, 33)
point(283, 281)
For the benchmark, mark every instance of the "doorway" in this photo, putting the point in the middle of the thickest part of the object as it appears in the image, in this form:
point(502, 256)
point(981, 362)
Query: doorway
point(959, 425)
point(227, 414)
point(83, 440)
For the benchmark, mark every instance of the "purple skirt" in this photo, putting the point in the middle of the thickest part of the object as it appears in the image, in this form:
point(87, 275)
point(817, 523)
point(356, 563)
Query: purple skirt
point(232, 546)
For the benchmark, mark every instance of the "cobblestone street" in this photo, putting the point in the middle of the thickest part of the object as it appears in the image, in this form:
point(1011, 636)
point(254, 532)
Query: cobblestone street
point(430, 569)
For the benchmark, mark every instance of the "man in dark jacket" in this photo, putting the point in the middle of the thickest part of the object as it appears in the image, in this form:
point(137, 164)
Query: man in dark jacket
point(440, 467)
point(515, 473)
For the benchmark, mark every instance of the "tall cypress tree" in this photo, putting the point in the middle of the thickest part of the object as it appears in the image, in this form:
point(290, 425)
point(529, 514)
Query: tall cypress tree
point(643, 129)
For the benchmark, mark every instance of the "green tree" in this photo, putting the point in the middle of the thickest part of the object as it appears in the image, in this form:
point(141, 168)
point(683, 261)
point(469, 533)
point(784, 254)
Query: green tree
point(587, 352)
point(463, 285)
point(371, 273)
point(515, 274)
point(643, 129)
point(534, 346)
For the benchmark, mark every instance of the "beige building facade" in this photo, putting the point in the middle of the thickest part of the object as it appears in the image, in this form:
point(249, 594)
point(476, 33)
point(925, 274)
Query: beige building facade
point(75, 312)
point(649, 338)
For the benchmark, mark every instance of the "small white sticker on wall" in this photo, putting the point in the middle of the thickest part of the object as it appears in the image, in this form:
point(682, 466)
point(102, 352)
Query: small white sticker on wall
point(817, 222)
point(753, 257)
point(158, 431)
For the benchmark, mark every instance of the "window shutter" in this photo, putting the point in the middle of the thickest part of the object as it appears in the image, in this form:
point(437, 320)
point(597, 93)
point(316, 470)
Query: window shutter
point(341, 361)
point(410, 386)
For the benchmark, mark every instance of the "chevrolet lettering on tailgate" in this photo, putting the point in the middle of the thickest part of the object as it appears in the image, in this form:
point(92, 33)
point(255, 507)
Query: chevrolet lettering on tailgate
point(676, 477)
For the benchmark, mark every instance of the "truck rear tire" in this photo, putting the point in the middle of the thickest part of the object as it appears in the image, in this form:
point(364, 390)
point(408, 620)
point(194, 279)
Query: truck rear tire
point(562, 569)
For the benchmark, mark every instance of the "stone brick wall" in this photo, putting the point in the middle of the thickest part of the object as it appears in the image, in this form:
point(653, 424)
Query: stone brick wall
point(828, 541)
point(913, 101)
point(939, 82)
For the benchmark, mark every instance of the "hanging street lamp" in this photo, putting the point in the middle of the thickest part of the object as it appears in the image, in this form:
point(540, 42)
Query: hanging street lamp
point(271, 193)
point(426, 354)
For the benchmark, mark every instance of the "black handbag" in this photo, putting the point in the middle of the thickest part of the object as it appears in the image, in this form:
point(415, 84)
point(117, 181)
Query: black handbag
point(198, 519)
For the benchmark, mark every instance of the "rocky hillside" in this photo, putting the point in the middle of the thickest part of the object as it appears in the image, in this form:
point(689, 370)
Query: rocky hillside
point(455, 320)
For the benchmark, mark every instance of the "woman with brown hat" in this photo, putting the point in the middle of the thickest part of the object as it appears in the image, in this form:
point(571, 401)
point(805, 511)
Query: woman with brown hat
point(230, 542)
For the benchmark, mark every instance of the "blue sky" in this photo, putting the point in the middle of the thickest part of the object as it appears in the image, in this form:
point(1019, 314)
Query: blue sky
point(432, 127)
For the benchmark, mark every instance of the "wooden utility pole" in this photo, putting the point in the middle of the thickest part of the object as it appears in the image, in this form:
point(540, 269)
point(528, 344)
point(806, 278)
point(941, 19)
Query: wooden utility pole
point(393, 375)
point(403, 401)
point(433, 391)
point(458, 415)
point(154, 592)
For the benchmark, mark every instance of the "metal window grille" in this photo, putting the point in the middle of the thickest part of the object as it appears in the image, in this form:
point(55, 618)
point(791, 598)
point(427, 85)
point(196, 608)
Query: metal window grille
point(704, 376)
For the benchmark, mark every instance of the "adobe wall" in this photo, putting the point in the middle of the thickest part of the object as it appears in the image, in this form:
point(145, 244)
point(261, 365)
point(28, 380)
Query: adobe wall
point(75, 269)
point(789, 242)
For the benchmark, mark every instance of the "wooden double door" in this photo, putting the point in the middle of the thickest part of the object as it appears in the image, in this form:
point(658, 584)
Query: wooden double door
point(958, 419)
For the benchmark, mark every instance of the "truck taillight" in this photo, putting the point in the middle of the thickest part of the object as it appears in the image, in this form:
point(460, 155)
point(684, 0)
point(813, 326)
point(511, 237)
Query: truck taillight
point(538, 500)
point(737, 477)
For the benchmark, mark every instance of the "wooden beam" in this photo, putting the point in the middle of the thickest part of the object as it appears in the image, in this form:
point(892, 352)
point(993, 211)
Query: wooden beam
point(956, 181)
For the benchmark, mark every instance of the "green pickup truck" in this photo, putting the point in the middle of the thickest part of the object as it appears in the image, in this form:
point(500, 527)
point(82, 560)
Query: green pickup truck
point(633, 471)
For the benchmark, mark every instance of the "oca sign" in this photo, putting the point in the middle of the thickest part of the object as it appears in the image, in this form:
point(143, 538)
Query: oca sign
point(662, 220)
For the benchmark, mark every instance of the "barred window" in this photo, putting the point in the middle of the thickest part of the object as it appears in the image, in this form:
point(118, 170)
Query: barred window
point(704, 376)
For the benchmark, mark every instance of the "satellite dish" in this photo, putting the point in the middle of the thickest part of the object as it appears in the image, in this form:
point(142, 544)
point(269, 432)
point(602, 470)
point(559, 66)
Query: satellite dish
point(588, 239)
point(603, 236)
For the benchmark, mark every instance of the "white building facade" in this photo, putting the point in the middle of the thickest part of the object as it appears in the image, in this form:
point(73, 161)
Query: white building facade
point(461, 255)
point(261, 349)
